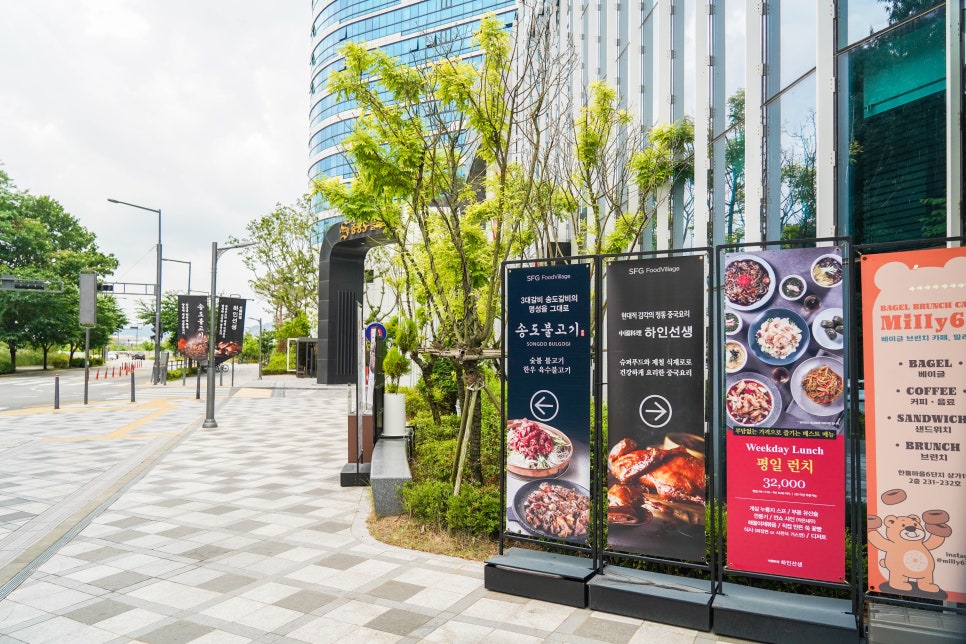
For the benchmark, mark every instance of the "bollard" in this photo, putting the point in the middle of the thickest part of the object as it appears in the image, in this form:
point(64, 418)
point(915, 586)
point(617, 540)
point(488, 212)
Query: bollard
point(198, 384)
point(221, 377)
point(132, 386)
point(57, 391)
point(112, 371)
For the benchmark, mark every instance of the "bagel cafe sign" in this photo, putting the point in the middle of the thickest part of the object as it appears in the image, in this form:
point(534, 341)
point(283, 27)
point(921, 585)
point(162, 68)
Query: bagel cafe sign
point(914, 325)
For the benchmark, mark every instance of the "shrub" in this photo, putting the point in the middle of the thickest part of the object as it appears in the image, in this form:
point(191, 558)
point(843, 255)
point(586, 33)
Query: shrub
point(276, 365)
point(427, 501)
point(475, 510)
point(58, 361)
point(78, 362)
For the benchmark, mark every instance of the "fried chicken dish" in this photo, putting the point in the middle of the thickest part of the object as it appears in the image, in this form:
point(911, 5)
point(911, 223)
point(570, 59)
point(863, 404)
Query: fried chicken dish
point(670, 474)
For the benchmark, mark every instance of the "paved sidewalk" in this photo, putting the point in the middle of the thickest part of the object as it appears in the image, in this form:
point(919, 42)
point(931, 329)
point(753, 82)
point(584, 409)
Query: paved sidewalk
point(138, 525)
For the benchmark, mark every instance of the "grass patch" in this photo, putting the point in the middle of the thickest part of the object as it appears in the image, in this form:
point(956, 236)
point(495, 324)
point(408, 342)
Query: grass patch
point(404, 532)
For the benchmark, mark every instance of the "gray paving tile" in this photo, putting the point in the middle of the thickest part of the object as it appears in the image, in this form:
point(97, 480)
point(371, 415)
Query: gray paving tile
point(179, 632)
point(399, 622)
point(226, 583)
point(208, 552)
point(305, 601)
point(605, 630)
point(398, 591)
point(101, 554)
point(120, 580)
point(341, 561)
point(98, 612)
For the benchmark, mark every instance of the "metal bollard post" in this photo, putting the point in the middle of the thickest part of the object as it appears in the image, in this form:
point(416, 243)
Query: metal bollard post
point(132, 386)
point(57, 391)
point(221, 377)
point(198, 384)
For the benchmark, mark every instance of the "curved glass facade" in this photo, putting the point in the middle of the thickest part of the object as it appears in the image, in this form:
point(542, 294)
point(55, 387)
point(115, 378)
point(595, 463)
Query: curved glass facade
point(409, 31)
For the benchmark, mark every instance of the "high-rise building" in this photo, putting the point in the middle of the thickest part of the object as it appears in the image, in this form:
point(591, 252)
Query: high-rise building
point(409, 31)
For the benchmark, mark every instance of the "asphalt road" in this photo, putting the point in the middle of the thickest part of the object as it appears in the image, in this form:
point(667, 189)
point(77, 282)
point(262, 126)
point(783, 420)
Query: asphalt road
point(34, 387)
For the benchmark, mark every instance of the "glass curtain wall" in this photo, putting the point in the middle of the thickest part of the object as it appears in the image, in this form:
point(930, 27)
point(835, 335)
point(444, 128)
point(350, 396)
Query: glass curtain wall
point(892, 120)
point(728, 121)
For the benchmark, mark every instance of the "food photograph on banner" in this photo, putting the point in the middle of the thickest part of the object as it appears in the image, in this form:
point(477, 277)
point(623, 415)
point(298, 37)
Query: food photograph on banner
point(656, 472)
point(914, 324)
point(548, 402)
point(784, 399)
point(231, 328)
point(193, 327)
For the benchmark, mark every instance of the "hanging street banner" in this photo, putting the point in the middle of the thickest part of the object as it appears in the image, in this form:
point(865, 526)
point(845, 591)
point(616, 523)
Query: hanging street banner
point(656, 485)
point(914, 313)
point(231, 328)
point(193, 327)
point(784, 402)
point(548, 401)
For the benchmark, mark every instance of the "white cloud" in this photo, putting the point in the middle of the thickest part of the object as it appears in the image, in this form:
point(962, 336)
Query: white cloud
point(197, 108)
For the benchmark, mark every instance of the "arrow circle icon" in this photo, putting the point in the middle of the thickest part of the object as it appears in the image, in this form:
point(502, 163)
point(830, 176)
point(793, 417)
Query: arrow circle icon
point(655, 411)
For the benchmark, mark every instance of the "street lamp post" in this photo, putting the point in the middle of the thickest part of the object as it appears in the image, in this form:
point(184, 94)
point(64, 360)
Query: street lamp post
point(156, 369)
point(181, 261)
point(259, 347)
point(210, 400)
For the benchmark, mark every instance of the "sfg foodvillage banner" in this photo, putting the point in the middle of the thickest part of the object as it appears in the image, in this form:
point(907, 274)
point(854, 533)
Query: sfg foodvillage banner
point(656, 490)
point(193, 326)
point(784, 399)
point(231, 328)
point(914, 312)
point(548, 401)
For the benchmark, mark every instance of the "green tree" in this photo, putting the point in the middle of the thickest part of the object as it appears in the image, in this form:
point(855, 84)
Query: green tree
point(39, 239)
point(412, 154)
point(283, 259)
point(144, 312)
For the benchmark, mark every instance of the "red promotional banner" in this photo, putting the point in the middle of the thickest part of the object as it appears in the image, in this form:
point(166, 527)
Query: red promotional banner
point(784, 404)
point(914, 323)
point(785, 511)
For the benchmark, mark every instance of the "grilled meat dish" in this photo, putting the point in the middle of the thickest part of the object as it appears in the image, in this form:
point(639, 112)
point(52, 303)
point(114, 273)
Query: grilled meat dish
point(679, 477)
point(672, 473)
point(624, 506)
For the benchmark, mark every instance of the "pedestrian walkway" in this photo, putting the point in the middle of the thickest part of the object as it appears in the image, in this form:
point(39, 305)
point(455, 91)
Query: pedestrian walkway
point(132, 523)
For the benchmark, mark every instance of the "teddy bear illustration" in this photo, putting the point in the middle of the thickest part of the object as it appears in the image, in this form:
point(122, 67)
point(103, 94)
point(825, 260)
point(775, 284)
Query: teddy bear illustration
point(907, 547)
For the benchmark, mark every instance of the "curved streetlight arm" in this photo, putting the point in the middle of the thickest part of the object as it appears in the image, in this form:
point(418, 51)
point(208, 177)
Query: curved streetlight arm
point(156, 369)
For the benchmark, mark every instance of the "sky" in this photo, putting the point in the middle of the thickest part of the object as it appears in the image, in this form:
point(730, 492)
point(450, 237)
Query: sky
point(194, 107)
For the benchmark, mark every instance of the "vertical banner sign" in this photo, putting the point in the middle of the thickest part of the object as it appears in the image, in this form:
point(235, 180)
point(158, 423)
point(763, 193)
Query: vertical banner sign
point(548, 402)
point(914, 314)
point(193, 326)
point(784, 400)
point(231, 328)
point(655, 407)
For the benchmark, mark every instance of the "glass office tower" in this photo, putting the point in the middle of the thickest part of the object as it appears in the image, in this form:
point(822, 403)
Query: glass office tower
point(410, 31)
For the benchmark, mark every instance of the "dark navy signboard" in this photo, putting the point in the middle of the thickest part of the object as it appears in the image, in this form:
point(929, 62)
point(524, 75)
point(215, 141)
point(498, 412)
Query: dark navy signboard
point(655, 406)
point(548, 401)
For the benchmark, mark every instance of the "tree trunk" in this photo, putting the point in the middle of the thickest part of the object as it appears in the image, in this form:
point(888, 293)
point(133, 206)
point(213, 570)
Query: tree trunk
point(13, 356)
point(474, 381)
point(46, 350)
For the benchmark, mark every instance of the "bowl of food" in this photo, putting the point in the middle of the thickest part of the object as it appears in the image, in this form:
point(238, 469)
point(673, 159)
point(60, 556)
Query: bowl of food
point(556, 509)
point(792, 288)
point(749, 282)
point(778, 336)
point(828, 328)
point(732, 322)
point(536, 450)
point(818, 386)
point(735, 356)
point(827, 271)
point(752, 401)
